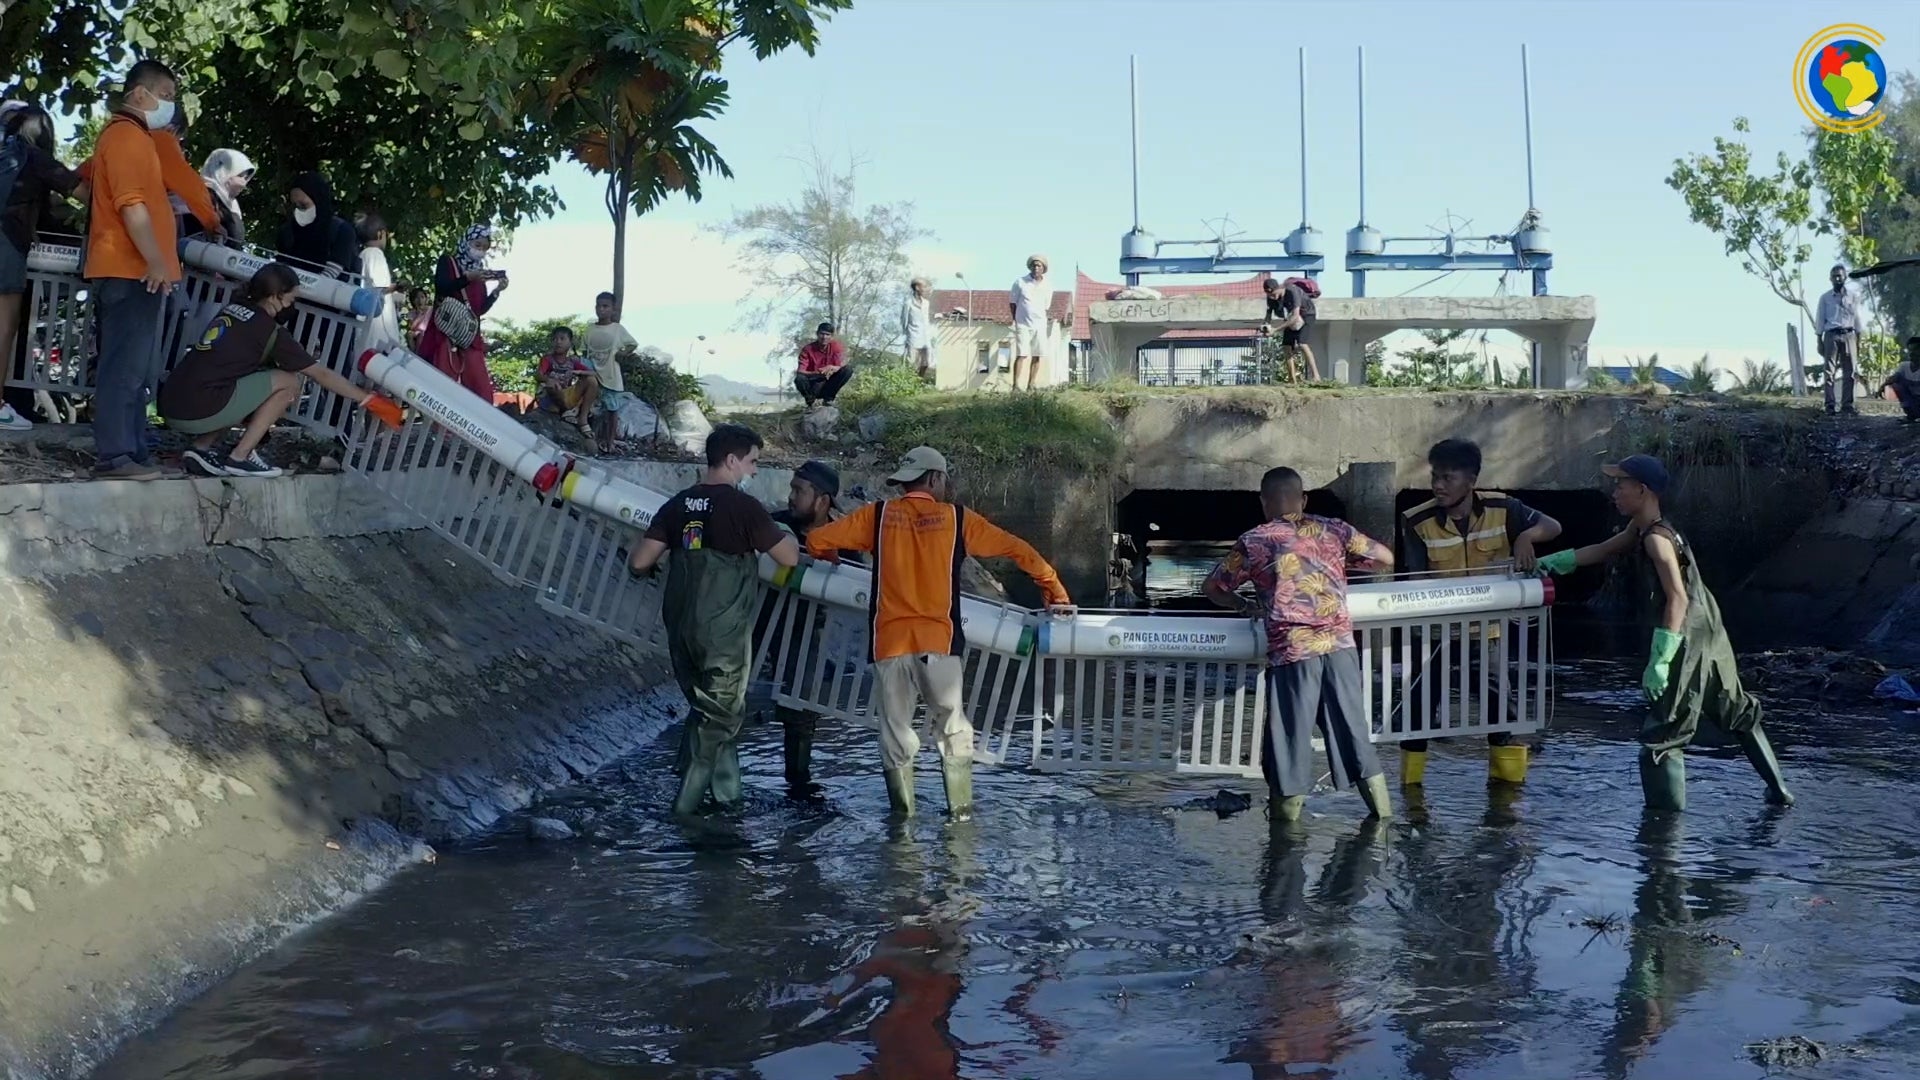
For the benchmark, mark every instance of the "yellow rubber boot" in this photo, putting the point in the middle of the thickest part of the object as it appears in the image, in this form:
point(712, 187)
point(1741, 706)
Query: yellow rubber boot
point(1507, 764)
point(1413, 768)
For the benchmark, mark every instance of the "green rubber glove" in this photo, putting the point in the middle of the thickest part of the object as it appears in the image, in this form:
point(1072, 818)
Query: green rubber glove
point(1558, 562)
point(1666, 646)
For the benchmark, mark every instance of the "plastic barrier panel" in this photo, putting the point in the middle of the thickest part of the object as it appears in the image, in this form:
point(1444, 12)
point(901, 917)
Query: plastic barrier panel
point(344, 294)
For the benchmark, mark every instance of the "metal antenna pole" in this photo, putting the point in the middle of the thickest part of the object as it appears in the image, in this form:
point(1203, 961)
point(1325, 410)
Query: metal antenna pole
point(1361, 96)
point(1526, 98)
point(1303, 136)
point(1133, 84)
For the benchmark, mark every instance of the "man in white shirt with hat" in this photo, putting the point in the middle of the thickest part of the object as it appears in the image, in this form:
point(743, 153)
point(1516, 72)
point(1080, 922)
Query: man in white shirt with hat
point(1030, 297)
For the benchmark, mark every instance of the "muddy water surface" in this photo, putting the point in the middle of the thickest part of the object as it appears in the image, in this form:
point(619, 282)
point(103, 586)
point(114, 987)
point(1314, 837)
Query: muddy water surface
point(1084, 927)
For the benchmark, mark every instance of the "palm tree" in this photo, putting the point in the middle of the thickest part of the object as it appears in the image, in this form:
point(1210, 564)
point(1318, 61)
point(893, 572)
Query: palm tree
point(1702, 379)
point(1646, 370)
point(1766, 378)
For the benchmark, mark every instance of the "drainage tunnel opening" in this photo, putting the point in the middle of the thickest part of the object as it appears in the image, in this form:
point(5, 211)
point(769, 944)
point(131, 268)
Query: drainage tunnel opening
point(1586, 517)
point(1171, 539)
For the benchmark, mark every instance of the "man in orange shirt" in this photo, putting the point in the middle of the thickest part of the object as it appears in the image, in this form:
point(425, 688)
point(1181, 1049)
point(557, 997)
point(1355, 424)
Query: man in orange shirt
point(132, 267)
point(919, 543)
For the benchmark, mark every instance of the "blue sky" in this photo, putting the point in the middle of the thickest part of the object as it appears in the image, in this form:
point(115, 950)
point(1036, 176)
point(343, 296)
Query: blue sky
point(1005, 123)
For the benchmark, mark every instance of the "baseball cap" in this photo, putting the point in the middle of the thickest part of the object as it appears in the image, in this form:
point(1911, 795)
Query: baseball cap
point(824, 478)
point(1643, 468)
point(919, 461)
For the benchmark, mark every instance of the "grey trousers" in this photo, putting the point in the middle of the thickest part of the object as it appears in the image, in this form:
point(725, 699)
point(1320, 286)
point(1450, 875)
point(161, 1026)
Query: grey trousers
point(1323, 690)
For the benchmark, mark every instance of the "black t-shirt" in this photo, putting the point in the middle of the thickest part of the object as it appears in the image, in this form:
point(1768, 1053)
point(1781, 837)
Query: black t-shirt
point(40, 176)
point(239, 341)
point(1290, 297)
point(715, 517)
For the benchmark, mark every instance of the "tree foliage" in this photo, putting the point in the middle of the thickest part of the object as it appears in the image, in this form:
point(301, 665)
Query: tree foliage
point(1894, 222)
point(824, 256)
point(1762, 218)
point(1854, 172)
point(434, 112)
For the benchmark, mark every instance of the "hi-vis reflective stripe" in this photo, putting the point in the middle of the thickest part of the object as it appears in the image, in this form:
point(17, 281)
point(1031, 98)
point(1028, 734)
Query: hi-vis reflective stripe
point(1456, 541)
point(1444, 542)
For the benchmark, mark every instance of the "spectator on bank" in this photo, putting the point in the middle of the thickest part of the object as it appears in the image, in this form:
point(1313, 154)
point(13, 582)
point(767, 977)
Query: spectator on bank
point(245, 369)
point(607, 342)
point(1904, 381)
point(1838, 325)
point(917, 640)
point(452, 341)
point(384, 331)
point(132, 266)
point(227, 173)
point(916, 325)
point(1028, 301)
point(419, 315)
point(823, 370)
point(26, 150)
point(1289, 304)
point(314, 234)
point(568, 384)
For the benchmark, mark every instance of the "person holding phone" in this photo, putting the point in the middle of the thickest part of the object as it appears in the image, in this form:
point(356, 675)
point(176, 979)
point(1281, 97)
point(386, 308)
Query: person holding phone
point(452, 341)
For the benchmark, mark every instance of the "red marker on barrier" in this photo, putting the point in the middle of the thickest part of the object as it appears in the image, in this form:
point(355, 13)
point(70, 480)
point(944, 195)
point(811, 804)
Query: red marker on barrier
point(367, 357)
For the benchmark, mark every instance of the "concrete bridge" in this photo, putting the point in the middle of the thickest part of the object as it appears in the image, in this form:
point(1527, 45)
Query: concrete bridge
point(1344, 328)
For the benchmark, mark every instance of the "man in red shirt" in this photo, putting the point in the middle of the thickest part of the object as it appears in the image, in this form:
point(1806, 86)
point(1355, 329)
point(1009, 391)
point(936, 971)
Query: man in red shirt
point(823, 367)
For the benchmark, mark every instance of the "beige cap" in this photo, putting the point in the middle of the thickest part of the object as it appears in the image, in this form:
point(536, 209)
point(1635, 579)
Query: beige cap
point(919, 461)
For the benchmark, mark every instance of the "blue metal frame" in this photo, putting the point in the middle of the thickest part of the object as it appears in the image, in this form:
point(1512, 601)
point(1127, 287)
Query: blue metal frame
point(1309, 265)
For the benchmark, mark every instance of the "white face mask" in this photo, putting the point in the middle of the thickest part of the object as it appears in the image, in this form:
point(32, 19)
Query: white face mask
point(159, 116)
point(304, 215)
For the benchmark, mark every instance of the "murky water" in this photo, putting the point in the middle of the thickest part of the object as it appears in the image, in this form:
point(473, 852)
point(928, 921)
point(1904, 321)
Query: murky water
point(1083, 927)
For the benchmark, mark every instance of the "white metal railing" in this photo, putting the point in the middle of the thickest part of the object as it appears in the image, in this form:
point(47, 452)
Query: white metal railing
point(58, 328)
point(1119, 691)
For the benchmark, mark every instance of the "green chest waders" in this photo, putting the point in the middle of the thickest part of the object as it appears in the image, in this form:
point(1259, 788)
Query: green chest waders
point(1704, 685)
point(709, 606)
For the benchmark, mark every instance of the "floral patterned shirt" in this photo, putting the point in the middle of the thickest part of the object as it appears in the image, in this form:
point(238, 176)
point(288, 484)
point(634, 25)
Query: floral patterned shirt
point(1298, 567)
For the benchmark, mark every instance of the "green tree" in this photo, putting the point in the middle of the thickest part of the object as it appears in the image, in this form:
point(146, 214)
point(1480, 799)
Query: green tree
point(1766, 379)
point(1895, 222)
point(1437, 362)
point(1702, 379)
point(1854, 172)
point(824, 256)
point(1762, 219)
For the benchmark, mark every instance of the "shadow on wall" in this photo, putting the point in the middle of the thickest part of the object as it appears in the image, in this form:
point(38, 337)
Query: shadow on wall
point(203, 751)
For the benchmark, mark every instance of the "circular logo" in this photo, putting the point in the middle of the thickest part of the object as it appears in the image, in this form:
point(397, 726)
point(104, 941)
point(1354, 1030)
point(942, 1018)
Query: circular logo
point(412, 393)
point(1113, 641)
point(1839, 78)
point(626, 513)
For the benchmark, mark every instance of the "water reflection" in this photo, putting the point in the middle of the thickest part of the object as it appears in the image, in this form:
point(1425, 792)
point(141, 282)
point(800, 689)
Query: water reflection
point(1084, 926)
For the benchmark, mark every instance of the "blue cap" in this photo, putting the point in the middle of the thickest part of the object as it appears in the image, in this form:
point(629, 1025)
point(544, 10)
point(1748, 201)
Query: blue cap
point(1642, 468)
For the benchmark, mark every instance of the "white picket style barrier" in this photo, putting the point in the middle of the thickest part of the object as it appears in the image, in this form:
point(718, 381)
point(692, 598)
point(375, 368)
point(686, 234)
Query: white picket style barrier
point(1121, 691)
point(57, 321)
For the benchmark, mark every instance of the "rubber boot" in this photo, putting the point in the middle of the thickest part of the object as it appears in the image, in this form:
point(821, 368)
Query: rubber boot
point(1664, 783)
point(900, 790)
point(958, 778)
point(1413, 768)
point(797, 747)
point(1760, 754)
point(1507, 764)
point(1378, 799)
point(1288, 808)
point(693, 788)
point(726, 777)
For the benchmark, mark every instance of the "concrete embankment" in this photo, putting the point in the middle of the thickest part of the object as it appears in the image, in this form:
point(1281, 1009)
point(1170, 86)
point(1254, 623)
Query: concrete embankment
point(230, 708)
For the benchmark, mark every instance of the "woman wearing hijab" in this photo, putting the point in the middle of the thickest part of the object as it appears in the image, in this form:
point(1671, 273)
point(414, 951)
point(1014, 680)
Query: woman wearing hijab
point(227, 173)
point(452, 340)
point(313, 233)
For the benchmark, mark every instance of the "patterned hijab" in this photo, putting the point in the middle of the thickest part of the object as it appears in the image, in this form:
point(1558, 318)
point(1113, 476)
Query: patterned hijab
point(465, 257)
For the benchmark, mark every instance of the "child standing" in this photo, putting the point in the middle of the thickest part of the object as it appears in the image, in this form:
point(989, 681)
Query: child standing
point(608, 341)
point(385, 332)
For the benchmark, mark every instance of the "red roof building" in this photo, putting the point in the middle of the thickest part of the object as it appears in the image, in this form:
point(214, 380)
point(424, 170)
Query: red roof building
point(1087, 292)
point(990, 305)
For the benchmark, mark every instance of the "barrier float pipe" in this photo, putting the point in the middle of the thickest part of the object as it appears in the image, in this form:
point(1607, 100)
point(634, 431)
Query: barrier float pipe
point(418, 383)
point(54, 259)
point(242, 265)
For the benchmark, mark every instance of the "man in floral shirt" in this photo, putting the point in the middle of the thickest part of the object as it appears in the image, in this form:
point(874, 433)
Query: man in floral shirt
point(1297, 564)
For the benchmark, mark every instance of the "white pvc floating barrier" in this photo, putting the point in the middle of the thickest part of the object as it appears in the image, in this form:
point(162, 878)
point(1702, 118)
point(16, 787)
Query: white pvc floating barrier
point(1000, 628)
point(54, 259)
point(230, 262)
point(413, 380)
point(325, 291)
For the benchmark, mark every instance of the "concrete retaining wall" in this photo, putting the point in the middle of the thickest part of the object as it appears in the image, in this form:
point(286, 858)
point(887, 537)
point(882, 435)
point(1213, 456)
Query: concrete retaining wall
point(220, 699)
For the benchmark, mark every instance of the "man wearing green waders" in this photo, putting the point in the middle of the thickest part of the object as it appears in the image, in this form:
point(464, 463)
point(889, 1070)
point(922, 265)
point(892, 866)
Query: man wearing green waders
point(716, 533)
point(1691, 674)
